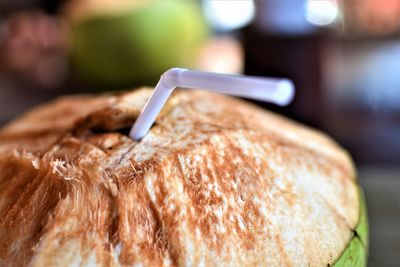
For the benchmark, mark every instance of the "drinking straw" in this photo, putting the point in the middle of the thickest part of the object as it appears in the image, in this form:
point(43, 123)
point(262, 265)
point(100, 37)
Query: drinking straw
point(275, 90)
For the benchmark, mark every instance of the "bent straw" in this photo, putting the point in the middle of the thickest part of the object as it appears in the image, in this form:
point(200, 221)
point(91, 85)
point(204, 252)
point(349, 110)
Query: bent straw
point(277, 91)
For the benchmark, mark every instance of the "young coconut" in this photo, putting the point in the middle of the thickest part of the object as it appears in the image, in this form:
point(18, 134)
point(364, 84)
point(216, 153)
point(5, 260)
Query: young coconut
point(216, 182)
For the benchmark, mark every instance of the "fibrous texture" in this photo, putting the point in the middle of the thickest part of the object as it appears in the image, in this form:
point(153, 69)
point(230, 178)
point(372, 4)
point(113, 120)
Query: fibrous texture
point(216, 182)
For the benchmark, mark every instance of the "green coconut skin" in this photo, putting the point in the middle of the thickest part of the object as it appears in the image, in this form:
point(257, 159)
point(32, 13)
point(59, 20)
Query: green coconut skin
point(356, 253)
point(134, 47)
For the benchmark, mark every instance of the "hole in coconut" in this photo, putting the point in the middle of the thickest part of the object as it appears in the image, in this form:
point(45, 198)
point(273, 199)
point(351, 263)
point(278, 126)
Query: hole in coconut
point(123, 130)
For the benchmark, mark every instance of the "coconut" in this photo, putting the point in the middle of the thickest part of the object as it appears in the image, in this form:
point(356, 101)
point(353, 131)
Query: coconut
point(124, 42)
point(216, 182)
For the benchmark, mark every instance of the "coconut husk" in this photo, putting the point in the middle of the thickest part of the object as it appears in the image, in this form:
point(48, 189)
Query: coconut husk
point(216, 182)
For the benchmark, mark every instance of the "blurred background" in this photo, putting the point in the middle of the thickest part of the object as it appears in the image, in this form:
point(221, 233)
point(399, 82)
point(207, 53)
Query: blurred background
point(343, 56)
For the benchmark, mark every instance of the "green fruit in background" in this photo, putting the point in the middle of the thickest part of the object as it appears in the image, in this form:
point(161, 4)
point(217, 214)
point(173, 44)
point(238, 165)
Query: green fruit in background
point(134, 47)
point(356, 253)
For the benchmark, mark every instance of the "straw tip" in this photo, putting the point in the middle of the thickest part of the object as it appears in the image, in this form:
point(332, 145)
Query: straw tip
point(285, 92)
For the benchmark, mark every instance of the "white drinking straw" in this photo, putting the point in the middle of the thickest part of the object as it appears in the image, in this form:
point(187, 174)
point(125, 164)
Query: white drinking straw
point(277, 91)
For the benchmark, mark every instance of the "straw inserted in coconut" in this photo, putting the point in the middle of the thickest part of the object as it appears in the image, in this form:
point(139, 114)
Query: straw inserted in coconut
point(275, 90)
